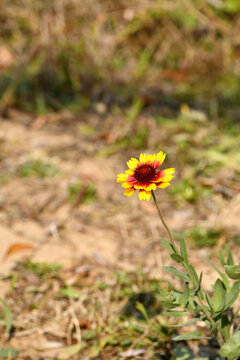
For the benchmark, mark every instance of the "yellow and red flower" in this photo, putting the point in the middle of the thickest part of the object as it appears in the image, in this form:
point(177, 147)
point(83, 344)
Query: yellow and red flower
point(143, 175)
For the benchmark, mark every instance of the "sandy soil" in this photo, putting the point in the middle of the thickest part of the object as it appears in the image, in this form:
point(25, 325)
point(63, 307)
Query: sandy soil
point(38, 212)
point(38, 222)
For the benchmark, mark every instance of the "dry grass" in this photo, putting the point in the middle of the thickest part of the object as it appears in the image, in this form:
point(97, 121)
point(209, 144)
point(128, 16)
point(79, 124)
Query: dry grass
point(101, 238)
point(84, 87)
point(104, 51)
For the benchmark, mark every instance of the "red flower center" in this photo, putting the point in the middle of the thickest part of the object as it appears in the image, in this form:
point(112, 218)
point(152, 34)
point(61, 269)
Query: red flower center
point(144, 173)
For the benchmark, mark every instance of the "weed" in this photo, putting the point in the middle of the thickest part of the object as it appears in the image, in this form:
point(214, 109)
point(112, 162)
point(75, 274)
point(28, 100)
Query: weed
point(82, 193)
point(41, 268)
point(37, 168)
point(201, 237)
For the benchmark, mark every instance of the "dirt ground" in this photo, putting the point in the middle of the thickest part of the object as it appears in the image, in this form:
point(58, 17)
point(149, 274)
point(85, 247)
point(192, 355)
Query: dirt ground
point(39, 222)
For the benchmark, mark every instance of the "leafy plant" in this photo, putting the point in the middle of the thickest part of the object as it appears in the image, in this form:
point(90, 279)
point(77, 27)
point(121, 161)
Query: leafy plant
point(41, 269)
point(37, 168)
point(216, 311)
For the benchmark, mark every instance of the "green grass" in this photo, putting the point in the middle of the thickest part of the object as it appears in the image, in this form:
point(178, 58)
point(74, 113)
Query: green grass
point(37, 168)
point(198, 65)
point(85, 193)
point(122, 310)
point(132, 301)
point(140, 66)
point(199, 237)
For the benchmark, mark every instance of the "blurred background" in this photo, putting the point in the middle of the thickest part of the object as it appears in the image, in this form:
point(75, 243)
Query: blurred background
point(84, 86)
point(66, 54)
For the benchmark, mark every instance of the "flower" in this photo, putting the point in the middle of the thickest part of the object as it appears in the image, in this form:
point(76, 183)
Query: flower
point(142, 175)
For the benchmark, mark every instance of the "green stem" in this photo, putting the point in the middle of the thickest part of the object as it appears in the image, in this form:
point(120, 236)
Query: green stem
point(163, 221)
point(234, 317)
point(176, 251)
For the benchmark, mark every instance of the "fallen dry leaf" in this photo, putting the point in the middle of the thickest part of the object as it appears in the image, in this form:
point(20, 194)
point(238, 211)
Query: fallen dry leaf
point(18, 247)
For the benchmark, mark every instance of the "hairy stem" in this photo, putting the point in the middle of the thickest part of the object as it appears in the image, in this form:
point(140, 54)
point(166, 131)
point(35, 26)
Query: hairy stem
point(163, 221)
point(185, 265)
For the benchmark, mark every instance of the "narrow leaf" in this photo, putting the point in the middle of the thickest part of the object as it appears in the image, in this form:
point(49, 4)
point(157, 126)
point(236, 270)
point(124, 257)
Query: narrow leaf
point(225, 327)
point(181, 275)
point(229, 255)
point(186, 294)
point(221, 258)
point(233, 271)
point(219, 295)
point(199, 285)
point(168, 304)
point(232, 295)
point(192, 335)
point(140, 307)
point(192, 321)
point(223, 276)
point(191, 304)
point(7, 316)
point(176, 313)
point(209, 301)
point(183, 250)
point(193, 275)
point(167, 245)
point(177, 258)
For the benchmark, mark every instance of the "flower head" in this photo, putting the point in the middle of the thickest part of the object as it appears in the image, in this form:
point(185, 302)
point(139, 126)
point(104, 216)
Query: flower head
point(143, 175)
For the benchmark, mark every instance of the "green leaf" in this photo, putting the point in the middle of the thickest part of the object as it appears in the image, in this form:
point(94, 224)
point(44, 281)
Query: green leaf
point(181, 275)
point(219, 296)
point(233, 271)
point(135, 110)
point(183, 250)
point(223, 276)
point(191, 305)
point(167, 245)
point(70, 293)
point(225, 327)
point(177, 258)
point(209, 300)
point(140, 307)
point(192, 335)
point(192, 321)
point(193, 275)
point(232, 295)
point(221, 258)
point(231, 348)
point(178, 296)
point(8, 353)
point(229, 255)
point(185, 297)
point(198, 310)
point(176, 313)
point(7, 316)
point(199, 285)
point(168, 304)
